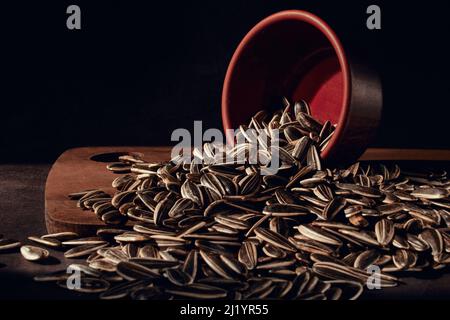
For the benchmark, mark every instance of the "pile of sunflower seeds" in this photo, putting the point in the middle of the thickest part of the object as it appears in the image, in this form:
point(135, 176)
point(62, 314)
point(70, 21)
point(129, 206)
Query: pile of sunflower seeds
point(227, 231)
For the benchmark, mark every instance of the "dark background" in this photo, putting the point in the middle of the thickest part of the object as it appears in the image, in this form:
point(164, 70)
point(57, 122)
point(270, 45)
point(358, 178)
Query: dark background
point(138, 70)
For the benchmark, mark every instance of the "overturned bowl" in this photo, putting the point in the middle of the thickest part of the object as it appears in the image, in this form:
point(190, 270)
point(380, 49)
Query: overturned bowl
point(296, 54)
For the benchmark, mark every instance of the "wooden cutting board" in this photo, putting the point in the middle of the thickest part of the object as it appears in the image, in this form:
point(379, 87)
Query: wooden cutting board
point(84, 168)
point(81, 169)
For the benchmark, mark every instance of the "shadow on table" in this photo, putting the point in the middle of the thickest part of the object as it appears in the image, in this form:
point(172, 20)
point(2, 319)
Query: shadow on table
point(17, 286)
point(49, 261)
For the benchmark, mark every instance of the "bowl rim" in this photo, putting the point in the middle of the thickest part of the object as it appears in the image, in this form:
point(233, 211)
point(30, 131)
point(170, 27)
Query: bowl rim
point(328, 32)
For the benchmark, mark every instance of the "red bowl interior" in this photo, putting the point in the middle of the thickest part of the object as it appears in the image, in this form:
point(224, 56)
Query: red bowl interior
point(293, 54)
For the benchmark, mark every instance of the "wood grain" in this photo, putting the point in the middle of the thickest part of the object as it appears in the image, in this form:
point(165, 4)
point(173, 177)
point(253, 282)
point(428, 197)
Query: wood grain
point(75, 171)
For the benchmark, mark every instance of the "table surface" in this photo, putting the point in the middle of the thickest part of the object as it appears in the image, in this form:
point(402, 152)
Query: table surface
point(22, 214)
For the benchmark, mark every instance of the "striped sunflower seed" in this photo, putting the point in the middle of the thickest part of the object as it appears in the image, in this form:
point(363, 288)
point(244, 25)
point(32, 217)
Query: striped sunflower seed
point(274, 239)
point(384, 231)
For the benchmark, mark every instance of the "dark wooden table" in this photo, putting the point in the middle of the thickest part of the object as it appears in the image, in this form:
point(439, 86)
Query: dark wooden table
point(22, 215)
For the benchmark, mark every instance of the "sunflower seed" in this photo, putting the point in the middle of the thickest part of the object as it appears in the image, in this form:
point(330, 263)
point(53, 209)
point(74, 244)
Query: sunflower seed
point(338, 272)
point(248, 255)
point(216, 264)
point(276, 264)
point(434, 240)
point(384, 231)
point(9, 244)
point(134, 271)
point(400, 259)
point(198, 291)
point(122, 197)
point(61, 236)
point(319, 235)
point(366, 259)
point(178, 277)
point(190, 265)
point(88, 285)
point(50, 242)
point(333, 208)
point(417, 243)
point(32, 253)
point(232, 223)
point(390, 208)
point(155, 263)
point(355, 288)
point(301, 146)
point(103, 265)
point(274, 239)
point(274, 252)
point(84, 241)
point(59, 275)
point(430, 193)
point(362, 236)
point(83, 250)
point(131, 237)
point(85, 269)
point(285, 210)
